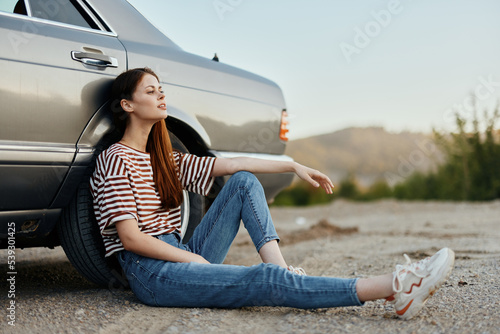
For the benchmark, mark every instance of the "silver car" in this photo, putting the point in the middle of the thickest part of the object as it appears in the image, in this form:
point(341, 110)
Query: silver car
point(57, 61)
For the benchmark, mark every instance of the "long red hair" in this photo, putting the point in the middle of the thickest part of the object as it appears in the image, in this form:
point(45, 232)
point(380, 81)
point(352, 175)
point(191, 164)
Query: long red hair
point(165, 171)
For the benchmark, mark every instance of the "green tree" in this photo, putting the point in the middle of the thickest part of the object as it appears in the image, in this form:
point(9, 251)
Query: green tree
point(378, 189)
point(472, 167)
point(349, 187)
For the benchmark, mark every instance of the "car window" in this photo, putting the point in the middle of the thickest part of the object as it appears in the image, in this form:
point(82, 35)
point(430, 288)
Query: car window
point(64, 11)
point(13, 6)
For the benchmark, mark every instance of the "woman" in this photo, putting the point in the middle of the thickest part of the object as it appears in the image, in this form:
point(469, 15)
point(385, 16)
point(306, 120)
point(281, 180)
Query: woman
point(137, 189)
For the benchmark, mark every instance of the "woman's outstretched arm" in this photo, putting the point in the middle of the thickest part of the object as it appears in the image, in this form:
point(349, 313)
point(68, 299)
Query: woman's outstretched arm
point(228, 166)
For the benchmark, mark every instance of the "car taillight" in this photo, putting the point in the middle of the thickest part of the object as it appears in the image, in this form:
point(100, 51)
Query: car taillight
point(284, 125)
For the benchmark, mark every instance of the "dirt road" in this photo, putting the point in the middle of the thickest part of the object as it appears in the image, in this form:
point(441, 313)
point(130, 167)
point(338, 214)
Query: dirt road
point(354, 240)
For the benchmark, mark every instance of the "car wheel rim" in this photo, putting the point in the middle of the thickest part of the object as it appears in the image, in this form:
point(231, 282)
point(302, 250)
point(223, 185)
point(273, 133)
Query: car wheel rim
point(184, 212)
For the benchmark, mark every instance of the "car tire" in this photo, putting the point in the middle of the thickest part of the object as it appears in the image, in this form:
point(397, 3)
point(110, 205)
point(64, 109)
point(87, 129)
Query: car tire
point(81, 239)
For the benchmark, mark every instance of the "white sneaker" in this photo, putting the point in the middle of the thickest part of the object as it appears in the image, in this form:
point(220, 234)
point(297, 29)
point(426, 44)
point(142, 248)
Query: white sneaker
point(298, 271)
point(415, 282)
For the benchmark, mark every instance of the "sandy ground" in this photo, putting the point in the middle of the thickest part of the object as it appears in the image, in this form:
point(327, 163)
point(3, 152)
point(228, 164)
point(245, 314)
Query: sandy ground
point(354, 240)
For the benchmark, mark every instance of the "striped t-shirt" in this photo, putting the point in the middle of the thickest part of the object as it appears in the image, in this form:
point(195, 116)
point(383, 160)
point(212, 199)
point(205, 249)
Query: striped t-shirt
point(122, 187)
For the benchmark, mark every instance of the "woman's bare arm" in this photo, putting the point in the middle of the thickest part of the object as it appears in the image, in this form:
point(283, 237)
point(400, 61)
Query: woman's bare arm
point(144, 244)
point(228, 166)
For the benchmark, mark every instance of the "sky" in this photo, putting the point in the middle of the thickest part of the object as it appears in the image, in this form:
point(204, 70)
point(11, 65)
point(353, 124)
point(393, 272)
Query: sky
point(405, 65)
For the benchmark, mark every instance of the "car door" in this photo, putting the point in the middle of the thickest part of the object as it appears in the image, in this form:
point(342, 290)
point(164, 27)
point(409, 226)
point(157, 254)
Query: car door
point(56, 61)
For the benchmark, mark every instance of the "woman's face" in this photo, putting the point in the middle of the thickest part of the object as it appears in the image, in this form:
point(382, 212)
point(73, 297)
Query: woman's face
point(148, 101)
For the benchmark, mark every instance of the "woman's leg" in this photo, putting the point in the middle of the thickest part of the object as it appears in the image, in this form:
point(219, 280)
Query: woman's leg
point(373, 288)
point(241, 198)
point(160, 283)
point(271, 253)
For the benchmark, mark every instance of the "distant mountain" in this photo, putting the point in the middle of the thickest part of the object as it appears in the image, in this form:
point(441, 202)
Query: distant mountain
point(368, 153)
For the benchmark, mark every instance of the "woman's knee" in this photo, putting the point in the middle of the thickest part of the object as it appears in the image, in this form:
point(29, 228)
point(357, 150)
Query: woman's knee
point(245, 179)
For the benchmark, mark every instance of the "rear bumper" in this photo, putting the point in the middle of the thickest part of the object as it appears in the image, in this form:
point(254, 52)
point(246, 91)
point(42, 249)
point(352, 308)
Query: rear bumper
point(272, 183)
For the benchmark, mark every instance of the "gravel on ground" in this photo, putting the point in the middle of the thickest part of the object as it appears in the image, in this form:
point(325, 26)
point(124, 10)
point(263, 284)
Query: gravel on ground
point(342, 239)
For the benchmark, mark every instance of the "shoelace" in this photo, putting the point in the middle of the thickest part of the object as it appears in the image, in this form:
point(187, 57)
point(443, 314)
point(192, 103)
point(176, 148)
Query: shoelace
point(407, 267)
point(298, 271)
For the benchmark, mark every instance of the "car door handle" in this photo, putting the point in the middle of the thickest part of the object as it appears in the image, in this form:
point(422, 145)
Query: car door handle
point(94, 59)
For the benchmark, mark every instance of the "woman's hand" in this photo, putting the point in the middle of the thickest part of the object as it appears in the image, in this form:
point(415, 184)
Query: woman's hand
point(199, 259)
point(314, 177)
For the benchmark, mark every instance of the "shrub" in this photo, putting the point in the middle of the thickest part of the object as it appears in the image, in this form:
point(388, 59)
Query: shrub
point(379, 189)
point(302, 194)
point(472, 167)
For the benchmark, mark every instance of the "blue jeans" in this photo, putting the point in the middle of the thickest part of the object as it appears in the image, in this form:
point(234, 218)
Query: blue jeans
point(162, 283)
